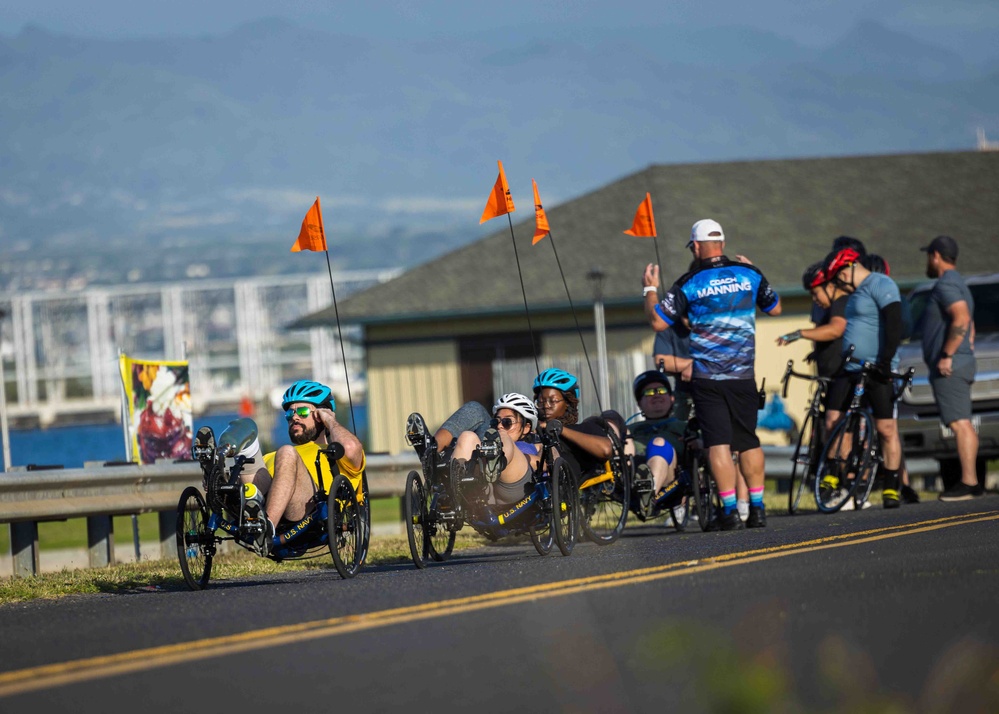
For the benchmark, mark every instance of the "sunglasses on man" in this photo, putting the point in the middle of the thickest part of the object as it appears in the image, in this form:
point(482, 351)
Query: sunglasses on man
point(653, 391)
point(300, 412)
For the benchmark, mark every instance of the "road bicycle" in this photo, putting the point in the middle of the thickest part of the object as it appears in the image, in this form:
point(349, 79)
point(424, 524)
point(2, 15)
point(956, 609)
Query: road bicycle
point(448, 495)
point(339, 520)
point(851, 457)
point(807, 449)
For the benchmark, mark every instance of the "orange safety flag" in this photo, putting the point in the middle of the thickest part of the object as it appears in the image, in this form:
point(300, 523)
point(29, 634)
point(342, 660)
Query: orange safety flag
point(541, 228)
point(312, 236)
point(500, 201)
point(644, 225)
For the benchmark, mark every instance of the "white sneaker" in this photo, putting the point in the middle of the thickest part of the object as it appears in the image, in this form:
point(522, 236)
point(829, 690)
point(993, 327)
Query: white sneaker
point(743, 508)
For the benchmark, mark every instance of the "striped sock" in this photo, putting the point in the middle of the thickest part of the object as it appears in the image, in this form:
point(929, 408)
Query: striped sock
point(756, 496)
point(728, 501)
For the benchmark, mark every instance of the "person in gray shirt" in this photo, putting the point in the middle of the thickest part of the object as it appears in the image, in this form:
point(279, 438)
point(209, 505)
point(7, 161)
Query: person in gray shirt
point(948, 344)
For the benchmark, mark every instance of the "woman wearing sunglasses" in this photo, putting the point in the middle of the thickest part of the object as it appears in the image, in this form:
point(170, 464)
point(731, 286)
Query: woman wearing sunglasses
point(287, 477)
point(509, 453)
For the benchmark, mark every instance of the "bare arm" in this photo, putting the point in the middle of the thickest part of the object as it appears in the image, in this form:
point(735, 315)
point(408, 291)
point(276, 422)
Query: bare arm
point(960, 326)
point(651, 280)
point(599, 446)
point(352, 449)
point(832, 330)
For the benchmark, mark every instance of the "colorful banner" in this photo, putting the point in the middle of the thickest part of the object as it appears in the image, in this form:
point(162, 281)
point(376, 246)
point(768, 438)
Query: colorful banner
point(160, 422)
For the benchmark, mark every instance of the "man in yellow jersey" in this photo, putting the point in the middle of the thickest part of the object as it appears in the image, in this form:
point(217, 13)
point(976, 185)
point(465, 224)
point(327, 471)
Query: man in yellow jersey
point(288, 478)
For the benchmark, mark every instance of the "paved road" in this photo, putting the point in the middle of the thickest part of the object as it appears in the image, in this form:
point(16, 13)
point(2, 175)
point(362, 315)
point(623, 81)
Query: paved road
point(819, 612)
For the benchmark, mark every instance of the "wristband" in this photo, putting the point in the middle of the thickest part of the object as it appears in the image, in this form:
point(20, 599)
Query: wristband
point(944, 355)
point(649, 289)
point(791, 336)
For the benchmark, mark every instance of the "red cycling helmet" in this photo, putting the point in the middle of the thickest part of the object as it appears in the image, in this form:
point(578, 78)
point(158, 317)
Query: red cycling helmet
point(814, 276)
point(839, 259)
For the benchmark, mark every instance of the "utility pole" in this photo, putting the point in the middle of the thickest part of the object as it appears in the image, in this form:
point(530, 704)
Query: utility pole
point(597, 277)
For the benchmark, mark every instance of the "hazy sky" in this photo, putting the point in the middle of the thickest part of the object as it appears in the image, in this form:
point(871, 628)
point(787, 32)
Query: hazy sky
point(966, 26)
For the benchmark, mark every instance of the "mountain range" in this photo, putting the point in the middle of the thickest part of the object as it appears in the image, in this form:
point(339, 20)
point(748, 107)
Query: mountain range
point(166, 158)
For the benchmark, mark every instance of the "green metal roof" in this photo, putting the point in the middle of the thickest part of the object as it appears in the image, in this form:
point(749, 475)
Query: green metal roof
point(782, 215)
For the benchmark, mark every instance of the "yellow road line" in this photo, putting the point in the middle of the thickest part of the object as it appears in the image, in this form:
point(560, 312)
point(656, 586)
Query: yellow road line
point(62, 673)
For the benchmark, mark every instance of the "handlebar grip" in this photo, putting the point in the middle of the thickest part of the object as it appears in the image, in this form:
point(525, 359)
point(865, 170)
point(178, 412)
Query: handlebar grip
point(787, 377)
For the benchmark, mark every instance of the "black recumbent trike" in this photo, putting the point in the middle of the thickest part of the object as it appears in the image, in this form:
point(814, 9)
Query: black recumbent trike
point(339, 520)
point(443, 499)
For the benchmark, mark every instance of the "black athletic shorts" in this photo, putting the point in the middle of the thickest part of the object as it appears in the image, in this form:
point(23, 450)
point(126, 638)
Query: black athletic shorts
point(726, 410)
point(878, 394)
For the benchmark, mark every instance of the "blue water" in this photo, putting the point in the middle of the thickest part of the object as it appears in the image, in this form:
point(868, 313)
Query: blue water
point(71, 446)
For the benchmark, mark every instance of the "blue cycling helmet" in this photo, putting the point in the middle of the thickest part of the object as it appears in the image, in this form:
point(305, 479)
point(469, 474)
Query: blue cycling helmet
point(310, 393)
point(557, 379)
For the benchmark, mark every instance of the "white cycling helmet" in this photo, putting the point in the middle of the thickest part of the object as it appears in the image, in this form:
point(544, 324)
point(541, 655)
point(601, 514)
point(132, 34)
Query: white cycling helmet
point(520, 404)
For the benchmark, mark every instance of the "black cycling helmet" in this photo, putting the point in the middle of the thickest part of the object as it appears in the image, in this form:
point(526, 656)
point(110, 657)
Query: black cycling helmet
point(843, 242)
point(310, 393)
point(814, 276)
point(875, 263)
point(653, 376)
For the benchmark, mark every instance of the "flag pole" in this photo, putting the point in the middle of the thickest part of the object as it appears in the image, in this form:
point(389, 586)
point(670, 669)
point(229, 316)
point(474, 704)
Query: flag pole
point(339, 332)
point(523, 291)
point(579, 331)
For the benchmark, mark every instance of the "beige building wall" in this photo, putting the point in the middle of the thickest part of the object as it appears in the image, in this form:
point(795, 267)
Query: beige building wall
point(415, 377)
point(625, 340)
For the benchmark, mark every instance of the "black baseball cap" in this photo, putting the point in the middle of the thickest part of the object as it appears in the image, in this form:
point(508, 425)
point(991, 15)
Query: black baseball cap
point(944, 246)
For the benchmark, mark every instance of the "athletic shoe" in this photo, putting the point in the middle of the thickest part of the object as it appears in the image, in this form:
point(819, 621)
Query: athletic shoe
point(890, 499)
point(958, 492)
point(670, 494)
point(978, 490)
point(757, 517)
point(416, 432)
point(827, 487)
point(265, 539)
point(493, 458)
point(851, 505)
point(909, 495)
point(743, 508)
point(730, 522)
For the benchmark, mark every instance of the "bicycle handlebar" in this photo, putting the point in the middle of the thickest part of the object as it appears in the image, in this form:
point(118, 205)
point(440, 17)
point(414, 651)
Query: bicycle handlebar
point(789, 372)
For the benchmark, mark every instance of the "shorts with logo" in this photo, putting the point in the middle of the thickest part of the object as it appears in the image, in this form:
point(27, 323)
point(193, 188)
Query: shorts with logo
point(953, 393)
point(726, 410)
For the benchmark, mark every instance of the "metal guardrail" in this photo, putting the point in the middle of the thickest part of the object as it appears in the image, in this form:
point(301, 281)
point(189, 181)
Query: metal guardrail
point(98, 492)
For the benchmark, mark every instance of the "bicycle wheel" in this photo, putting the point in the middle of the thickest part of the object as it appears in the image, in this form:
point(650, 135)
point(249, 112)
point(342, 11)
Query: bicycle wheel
point(868, 460)
point(565, 506)
point(365, 519)
point(344, 527)
point(680, 513)
point(803, 462)
point(836, 475)
point(604, 508)
point(414, 508)
point(542, 538)
point(440, 538)
point(700, 484)
point(195, 544)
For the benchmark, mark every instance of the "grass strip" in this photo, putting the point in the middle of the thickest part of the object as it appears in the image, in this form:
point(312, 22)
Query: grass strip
point(153, 575)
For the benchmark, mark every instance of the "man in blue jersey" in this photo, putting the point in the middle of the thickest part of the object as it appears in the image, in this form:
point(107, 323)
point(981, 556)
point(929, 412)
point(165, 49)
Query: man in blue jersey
point(874, 330)
point(718, 300)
